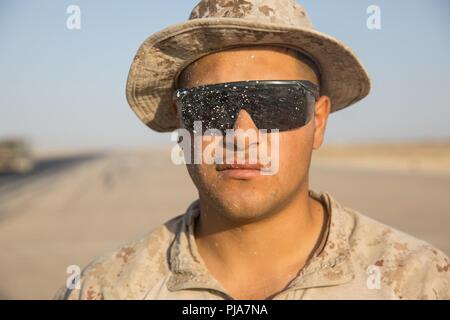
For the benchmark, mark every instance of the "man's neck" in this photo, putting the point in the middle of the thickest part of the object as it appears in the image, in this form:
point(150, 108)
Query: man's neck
point(275, 246)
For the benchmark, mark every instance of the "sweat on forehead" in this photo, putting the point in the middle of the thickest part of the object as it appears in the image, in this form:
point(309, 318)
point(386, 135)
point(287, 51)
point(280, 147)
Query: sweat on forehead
point(249, 63)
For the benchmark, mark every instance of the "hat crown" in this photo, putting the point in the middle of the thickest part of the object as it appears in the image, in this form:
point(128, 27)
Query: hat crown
point(287, 12)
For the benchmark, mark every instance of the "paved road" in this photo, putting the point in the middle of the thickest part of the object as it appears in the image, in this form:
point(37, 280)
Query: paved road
point(71, 211)
point(43, 168)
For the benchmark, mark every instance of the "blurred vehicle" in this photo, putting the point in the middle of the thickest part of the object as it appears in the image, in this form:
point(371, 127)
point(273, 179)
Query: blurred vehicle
point(15, 156)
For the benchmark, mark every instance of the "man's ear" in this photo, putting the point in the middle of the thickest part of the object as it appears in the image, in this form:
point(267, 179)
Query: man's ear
point(323, 109)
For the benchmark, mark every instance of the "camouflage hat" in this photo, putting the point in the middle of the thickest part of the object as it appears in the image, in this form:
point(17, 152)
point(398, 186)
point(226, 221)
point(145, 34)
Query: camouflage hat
point(217, 25)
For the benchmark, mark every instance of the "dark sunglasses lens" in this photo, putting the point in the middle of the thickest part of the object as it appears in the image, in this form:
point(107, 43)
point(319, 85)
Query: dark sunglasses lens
point(216, 109)
point(282, 108)
point(271, 106)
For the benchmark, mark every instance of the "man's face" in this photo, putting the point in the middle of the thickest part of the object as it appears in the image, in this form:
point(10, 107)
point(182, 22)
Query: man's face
point(250, 197)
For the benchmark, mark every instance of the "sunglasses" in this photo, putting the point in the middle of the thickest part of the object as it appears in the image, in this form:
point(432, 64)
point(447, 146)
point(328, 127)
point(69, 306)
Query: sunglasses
point(282, 105)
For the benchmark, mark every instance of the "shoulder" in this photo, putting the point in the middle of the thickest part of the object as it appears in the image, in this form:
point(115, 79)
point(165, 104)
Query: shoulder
point(411, 268)
point(129, 271)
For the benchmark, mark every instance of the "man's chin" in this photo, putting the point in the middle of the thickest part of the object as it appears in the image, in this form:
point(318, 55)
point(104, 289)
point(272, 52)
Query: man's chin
point(244, 211)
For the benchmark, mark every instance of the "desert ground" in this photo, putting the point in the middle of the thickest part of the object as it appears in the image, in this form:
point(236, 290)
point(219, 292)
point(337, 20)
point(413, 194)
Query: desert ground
point(76, 206)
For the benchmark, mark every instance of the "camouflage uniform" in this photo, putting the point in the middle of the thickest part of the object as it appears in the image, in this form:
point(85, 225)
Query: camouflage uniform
point(356, 251)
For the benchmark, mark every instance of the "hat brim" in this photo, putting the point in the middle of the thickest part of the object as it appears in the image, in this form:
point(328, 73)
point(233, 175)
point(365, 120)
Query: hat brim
point(162, 56)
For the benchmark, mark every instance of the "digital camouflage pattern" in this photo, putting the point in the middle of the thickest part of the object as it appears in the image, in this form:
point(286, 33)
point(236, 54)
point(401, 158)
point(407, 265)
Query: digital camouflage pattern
point(165, 264)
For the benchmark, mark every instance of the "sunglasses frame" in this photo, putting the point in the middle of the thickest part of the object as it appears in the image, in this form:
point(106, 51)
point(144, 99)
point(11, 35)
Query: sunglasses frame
point(306, 84)
point(251, 84)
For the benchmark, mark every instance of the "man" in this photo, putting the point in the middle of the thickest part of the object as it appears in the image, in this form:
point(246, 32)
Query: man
point(254, 65)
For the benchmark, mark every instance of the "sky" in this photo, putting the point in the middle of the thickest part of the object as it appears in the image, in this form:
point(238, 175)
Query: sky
point(63, 88)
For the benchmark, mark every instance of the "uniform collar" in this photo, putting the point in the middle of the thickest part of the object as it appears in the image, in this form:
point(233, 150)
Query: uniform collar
point(330, 265)
point(188, 269)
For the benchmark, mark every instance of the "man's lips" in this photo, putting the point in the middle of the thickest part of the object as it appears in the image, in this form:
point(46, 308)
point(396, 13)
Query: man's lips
point(239, 171)
point(223, 167)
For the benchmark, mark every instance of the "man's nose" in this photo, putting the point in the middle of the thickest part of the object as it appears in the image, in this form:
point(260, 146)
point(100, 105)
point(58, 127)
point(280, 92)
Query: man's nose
point(247, 133)
point(244, 121)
